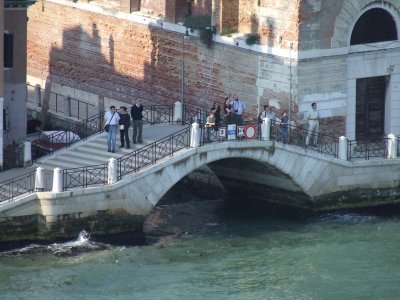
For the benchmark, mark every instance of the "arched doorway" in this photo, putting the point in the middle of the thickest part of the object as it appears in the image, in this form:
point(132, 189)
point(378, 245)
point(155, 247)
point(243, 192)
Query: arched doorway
point(374, 26)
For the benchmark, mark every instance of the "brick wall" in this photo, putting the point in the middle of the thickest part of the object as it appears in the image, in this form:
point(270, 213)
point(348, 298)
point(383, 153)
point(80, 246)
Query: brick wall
point(122, 60)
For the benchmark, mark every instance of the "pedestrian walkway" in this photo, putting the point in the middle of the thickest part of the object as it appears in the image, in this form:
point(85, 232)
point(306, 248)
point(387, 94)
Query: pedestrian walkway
point(92, 151)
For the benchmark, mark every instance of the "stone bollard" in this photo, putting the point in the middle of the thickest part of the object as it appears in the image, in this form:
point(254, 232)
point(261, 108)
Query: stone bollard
point(38, 95)
point(112, 171)
point(67, 108)
point(392, 146)
point(39, 180)
point(343, 148)
point(27, 154)
point(266, 129)
point(195, 135)
point(178, 110)
point(57, 181)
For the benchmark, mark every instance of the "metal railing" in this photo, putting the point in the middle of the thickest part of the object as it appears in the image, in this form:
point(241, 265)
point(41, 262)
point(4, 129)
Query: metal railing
point(151, 153)
point(83, 177)
point(17, 186)
point(66, 105)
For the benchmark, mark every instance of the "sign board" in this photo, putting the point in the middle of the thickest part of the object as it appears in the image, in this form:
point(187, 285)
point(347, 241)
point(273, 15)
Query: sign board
point(231, 131)
point(240, 131)
point(250, 132)
point(222, 133)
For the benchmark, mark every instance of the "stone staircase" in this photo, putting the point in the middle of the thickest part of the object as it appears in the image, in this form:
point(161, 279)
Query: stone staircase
point(93, 151)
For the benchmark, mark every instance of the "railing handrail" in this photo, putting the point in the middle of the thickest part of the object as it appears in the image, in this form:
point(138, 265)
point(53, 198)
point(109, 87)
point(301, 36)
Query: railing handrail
point(130, 163)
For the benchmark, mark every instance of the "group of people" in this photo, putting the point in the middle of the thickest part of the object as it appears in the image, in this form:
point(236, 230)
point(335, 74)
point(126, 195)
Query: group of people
point(121, 121)
point(232, 113)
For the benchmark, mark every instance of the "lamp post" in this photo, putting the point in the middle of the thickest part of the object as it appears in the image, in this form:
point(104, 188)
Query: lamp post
point(183, 75)
point(290, 83)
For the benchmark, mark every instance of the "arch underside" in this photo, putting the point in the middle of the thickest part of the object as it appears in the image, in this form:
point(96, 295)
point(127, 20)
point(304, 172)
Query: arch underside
point(258, 184)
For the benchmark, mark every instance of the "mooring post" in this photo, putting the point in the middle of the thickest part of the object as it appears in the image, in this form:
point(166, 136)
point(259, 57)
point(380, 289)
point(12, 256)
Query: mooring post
point(57, 181)
point(27, 153)
point(195, 135)
point(342, 148)
point(178, 110)
point(112, 171)
point(39, 180)
point(392, 146)
point(266, 129)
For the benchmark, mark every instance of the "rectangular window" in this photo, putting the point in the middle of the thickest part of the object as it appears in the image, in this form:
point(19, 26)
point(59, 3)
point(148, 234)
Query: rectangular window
point(8, 50)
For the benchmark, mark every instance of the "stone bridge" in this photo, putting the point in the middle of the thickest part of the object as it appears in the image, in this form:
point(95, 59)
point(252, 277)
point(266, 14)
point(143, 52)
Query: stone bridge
point(260, 171)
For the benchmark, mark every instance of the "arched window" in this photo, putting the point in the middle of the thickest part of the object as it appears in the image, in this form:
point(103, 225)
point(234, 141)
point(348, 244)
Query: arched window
point(375, 25)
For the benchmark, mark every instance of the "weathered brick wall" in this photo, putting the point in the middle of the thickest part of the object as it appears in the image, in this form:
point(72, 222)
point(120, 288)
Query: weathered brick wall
point(157, 7)
point(122, 60)
point(229, 10)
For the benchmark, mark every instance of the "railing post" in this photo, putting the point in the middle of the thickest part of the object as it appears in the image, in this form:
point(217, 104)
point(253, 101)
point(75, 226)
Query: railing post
point(38, 95)
point(112, 171)
point(178, 112)
point(27, 153)
point(195, 135)
point(57, 181)
point(343, 148)
point(39, 180)
point(266, 129)
point(392, 146)
point(67, 108)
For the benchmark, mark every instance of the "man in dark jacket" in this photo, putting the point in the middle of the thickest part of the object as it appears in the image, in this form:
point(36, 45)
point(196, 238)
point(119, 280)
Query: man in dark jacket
point(137, 120)
point(124, 124)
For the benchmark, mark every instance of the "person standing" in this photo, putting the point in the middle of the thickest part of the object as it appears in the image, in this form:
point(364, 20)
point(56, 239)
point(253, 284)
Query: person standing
point(313, 122)
point(137, 120)
point(284, 127)
point(111, 118)
point(216, 109)
point(238, 110)
point(124, 124)
point(227, 111)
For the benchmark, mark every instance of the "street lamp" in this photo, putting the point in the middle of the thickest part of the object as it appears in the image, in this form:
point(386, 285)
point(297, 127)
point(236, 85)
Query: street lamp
point(183, 75)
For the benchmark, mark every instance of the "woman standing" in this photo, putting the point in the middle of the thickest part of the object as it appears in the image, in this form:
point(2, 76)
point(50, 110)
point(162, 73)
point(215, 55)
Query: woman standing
point(216, 110)
point(124, 124)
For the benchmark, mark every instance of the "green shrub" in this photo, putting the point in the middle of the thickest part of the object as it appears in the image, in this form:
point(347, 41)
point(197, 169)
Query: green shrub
point(197, 22)
point(228, 31)
point(252, 38)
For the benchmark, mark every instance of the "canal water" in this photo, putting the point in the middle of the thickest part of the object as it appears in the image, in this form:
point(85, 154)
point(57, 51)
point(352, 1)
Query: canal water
point(240, 255)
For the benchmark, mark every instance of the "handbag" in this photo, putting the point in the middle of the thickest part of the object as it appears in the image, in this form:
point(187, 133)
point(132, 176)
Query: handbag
point(121, 127)
point(107, 127)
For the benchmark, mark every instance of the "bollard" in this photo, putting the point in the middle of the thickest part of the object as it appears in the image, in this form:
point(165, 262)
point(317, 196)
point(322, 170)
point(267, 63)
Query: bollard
point(67, 108)
point(38, 95)
point(195, 135)
point(178, 110)
point(266, 129)
point(39, 180)
point(392, 146)
point(27, 154)
point(112, 171)
point(57, 181)
point(343, 148)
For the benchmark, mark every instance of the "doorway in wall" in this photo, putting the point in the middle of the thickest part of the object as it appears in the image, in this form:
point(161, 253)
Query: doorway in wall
point(370, 108)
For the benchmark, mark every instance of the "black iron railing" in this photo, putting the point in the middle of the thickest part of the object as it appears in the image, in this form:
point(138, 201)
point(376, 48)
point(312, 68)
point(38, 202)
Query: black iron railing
point(17, 186)
point(66, 105)
point(150, 154)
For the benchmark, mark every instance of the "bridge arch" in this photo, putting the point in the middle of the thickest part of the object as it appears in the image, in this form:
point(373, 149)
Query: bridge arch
point(291, 175)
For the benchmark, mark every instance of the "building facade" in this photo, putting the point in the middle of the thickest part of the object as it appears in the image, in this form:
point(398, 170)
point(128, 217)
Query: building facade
point(342, 54)
point(13, 78)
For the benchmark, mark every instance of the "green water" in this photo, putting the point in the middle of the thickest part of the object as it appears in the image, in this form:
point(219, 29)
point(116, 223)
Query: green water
point(339, 256)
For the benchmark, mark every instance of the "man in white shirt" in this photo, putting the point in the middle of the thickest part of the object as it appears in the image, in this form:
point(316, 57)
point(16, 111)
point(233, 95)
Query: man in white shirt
point(313, 122)
point(111, 118)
